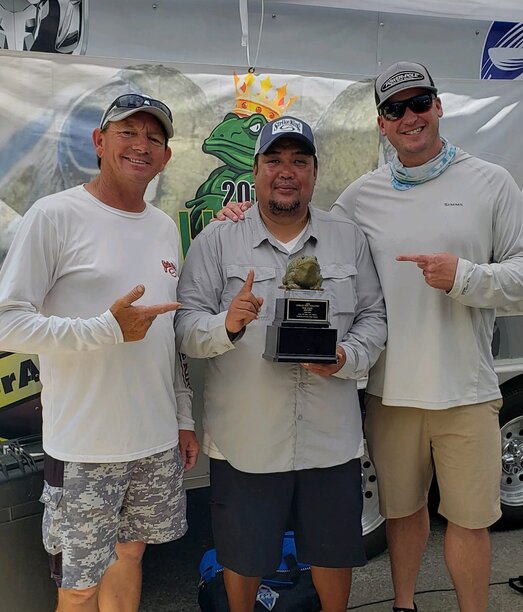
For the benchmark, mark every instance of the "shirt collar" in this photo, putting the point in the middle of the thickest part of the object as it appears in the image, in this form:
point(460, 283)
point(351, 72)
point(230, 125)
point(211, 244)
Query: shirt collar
point(261, 233)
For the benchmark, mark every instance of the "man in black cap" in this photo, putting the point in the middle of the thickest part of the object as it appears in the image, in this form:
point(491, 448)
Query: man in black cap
point(433, 397)
point(117, 425)
point(284, 439)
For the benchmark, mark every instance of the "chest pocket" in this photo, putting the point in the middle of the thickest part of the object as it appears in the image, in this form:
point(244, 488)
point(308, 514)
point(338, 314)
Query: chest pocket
point(264, 285)
point(339, 284)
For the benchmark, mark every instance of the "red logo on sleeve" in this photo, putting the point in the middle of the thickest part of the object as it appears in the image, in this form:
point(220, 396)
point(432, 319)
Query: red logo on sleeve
point(169, 267)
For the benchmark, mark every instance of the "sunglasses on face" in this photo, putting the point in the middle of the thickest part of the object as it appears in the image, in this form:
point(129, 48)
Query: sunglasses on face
point(137, 101)
point(392, 111)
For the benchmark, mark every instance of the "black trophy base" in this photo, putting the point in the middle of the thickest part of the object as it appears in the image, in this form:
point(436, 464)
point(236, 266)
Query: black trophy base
point(296, 344)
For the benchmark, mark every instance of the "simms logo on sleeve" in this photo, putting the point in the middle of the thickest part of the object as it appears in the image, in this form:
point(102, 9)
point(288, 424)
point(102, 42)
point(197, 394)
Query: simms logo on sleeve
point(286, 125)
point(401, 77)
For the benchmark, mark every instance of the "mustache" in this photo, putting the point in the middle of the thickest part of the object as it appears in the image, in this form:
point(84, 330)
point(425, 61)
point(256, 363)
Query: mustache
point(285, 183)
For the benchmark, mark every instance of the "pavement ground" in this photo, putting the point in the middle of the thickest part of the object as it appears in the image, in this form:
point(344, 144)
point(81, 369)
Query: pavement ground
point(171, 571)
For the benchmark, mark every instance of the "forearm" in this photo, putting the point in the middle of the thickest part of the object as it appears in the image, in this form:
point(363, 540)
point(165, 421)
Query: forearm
point(363, 345)
point(201, 334)
point(365, 339)
point(183, 392)
point(491, 285)
point(24, 330)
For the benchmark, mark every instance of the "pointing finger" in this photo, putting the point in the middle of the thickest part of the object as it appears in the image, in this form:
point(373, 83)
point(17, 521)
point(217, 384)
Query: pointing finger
point(420, 259)
point(157, 309)
point(247, 287)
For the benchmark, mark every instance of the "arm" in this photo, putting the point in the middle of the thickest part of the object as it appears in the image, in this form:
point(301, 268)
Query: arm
point(499, 282)
point(188, 443)
point(357, 353)
point(26, 277)
point(199, 324)
point(366, 338)
point(362, 344)
point(29, 273)
point(233, 211)
point(204, 328)
point(494, 284)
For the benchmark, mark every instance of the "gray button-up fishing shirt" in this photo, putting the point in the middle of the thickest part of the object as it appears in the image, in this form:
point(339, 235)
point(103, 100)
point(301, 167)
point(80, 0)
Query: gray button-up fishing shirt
point(274, 417)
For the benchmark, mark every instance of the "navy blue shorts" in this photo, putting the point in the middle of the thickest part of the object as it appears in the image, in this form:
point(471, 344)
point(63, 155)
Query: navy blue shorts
point(251, 512)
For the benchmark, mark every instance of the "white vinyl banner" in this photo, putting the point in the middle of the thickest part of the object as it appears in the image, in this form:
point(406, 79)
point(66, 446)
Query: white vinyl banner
point(52, 104)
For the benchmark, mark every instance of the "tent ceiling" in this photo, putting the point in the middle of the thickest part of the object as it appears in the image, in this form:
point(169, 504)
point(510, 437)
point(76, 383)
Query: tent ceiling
point(488, 10)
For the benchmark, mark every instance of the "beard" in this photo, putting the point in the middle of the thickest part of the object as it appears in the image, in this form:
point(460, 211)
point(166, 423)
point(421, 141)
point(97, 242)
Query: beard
point(280, 208)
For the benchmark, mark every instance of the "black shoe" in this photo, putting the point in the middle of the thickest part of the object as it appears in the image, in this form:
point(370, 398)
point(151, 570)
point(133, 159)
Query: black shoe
point(414, 609)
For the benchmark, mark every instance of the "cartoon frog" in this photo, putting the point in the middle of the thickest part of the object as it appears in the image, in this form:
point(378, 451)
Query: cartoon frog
point(302, 273)
point(232, 141)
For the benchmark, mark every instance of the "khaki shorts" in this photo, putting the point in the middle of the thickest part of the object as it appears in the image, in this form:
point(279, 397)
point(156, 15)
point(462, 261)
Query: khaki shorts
point(89, 507)
point(462, 444)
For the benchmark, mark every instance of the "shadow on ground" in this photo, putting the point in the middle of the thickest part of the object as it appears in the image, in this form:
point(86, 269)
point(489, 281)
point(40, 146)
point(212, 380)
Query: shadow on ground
point(170, 578)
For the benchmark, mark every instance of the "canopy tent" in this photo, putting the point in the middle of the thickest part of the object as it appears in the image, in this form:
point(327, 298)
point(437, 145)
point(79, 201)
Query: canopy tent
point(500, 10)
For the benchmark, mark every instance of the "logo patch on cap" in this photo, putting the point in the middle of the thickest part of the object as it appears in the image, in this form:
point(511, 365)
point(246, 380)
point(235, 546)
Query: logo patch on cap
point(286, 125)
point(401, 77)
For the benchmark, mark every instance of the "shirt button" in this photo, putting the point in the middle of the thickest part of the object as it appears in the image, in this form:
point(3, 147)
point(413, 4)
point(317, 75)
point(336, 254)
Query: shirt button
point(301, 385)
point(300, 417)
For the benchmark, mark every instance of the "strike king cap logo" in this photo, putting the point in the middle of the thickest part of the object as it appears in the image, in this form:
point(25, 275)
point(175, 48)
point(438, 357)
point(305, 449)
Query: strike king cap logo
point(401, 77)
point(503, 51)
point(286, 125)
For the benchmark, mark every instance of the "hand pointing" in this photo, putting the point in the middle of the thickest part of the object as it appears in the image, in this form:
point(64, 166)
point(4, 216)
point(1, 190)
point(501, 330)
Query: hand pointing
point(134, 321)
point(244, 307)
point(439, 269)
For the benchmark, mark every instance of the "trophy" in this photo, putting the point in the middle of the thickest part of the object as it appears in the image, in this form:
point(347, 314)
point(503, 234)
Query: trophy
point(301, 332)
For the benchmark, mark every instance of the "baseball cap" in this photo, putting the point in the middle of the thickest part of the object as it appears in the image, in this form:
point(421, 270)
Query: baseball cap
point(285, 127)
point(126, 105)
point(400, 76)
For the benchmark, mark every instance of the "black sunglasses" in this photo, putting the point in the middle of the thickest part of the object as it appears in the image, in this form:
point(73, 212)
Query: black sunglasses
point(392, 111)
point(137, 101)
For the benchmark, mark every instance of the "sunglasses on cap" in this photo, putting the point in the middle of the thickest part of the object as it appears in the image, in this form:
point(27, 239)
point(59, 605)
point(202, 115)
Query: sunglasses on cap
point(137, 101)
point(392, 111)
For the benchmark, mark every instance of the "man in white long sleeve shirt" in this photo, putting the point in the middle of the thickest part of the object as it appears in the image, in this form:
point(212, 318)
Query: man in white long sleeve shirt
point(446, 234)
point(117, 426)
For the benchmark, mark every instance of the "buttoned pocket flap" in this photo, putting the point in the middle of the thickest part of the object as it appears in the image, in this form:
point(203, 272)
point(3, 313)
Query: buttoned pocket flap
point(339, 282)
point(338, 271)
point(261, 273)
point(51, 496)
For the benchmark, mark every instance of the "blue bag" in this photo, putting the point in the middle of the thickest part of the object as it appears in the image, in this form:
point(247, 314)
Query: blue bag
point(289, 589)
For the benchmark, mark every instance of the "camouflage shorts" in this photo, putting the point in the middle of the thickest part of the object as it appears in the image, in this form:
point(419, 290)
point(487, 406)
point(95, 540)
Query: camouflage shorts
point(89, 507)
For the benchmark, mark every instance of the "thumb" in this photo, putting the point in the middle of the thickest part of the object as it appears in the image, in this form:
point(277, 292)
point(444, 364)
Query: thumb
point(133, 295)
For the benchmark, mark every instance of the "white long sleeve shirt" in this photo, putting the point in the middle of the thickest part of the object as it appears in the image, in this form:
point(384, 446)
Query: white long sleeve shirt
point(438, 351)
point(103, 400)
